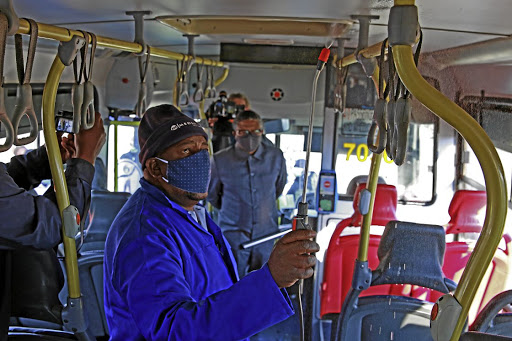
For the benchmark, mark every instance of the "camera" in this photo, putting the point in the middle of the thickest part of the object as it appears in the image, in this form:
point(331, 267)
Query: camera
point(224, 108)
point(64, 121)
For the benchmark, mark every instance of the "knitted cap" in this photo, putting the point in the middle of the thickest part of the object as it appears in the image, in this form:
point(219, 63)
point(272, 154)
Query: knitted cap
point(161, 127)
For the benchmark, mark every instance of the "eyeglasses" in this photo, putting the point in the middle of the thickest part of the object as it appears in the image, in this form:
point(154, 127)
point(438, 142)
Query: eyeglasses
point(255, 132)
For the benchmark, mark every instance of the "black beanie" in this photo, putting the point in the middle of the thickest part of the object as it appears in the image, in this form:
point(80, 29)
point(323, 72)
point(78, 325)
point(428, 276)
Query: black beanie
point(161, 127)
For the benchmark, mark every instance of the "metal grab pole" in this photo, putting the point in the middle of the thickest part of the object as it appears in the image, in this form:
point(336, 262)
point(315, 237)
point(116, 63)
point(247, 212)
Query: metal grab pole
point(264, 239)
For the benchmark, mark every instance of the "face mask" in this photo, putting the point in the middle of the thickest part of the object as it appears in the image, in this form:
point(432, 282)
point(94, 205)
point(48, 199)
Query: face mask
point(191, 174)
point(249, 143)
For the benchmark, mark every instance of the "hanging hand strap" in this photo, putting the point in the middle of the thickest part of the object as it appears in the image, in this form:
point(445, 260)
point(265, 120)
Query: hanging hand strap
point(77, 91)
point(24, 103)
point(379, 114)
point(340, 91)
point(4, 119)
point(199, 93)
point(391, 106)
point(87, 112)
point(403, 116)
point(140, 108)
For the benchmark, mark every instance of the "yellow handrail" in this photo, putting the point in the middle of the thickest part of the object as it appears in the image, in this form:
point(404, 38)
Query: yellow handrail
point(59, 180)
point(491, 166)
point(369, 52)
point(64, 34)
point(371, 185)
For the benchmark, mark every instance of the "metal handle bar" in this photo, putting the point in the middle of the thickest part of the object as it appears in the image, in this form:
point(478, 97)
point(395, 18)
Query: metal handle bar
point(264, 239)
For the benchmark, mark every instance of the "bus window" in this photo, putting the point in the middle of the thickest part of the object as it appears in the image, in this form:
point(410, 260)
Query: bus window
point(292, 146)
point(129, 170)
point(414, 179)
point(473, 177)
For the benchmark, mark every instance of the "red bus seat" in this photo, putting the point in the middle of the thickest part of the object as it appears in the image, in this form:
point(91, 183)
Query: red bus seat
point(342, 251)
point(464, 210)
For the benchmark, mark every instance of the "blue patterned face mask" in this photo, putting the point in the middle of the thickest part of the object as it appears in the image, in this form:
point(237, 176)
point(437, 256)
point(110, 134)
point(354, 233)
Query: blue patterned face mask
point(191, 174)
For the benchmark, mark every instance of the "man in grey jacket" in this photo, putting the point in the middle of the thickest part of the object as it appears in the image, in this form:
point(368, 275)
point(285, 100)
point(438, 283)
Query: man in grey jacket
point(34, 221)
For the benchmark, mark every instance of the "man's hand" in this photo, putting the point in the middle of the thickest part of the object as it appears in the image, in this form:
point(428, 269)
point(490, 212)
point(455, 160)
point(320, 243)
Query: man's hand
point(67, 146)
point(292, 257)
point(89, 142)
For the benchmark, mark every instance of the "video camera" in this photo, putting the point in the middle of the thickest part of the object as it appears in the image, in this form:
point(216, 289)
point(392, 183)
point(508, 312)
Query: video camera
point(224, 108)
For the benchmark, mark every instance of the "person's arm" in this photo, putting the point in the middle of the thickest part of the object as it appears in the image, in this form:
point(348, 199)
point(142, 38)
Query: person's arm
point(215, 187)
point(35, 220)
point(282, 177)
point(30, 169)
point(149, 276)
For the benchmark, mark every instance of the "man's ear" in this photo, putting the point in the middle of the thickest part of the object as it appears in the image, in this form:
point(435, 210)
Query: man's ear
point(154, 168)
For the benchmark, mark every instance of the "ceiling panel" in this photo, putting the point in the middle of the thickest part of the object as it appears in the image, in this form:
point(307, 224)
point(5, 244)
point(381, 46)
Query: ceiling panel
point(448, 23)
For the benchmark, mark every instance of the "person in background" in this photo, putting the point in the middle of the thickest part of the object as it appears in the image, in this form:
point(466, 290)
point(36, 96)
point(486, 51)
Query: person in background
point(247, 179)
point(34, 221)
point(240, 100)
point(169, 273)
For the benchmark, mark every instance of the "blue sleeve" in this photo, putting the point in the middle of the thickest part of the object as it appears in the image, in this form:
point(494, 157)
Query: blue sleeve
point(215, 187)
point(282, 177)
point(159, 298)
point(35, 220)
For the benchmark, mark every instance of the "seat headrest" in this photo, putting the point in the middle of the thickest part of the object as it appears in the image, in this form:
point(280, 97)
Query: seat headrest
point(411, 253)
point(104, 208)
point(384, 209)
point(352, 185)
point(465, 211)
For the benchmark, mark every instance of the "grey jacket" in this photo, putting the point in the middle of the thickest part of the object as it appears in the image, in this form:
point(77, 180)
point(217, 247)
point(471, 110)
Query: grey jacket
point(35, 220)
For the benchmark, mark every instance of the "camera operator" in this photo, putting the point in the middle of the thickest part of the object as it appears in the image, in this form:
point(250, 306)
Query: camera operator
point(221, 114)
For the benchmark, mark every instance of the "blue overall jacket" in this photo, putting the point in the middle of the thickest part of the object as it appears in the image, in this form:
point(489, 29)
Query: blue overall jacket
point(166, 277)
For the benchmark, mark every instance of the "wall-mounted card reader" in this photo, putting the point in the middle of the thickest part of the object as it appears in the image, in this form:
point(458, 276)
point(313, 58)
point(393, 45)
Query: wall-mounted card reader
point(327, 194)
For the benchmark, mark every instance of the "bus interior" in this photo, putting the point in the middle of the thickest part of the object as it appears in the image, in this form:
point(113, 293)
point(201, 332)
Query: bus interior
point(450, 191)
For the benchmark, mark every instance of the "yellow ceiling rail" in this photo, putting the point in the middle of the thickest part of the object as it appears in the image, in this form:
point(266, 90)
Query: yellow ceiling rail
point(64, 34)
point(369, 52)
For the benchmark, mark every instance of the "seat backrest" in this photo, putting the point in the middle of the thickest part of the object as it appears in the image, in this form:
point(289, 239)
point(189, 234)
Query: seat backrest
point(36, 281)
point(411, 253)
point(466, 215)
point(465, 211)
point(104, 208)
point(384, 209)
point(342, 251)
point(352, 185)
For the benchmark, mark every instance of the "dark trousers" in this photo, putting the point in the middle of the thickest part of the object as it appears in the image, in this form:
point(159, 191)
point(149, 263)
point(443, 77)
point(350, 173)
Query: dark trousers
point(5, 292)
point(250, 259)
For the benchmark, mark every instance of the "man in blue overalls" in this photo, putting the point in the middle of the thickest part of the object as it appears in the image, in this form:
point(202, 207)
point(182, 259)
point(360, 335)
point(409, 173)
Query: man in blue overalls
point(169, 273)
